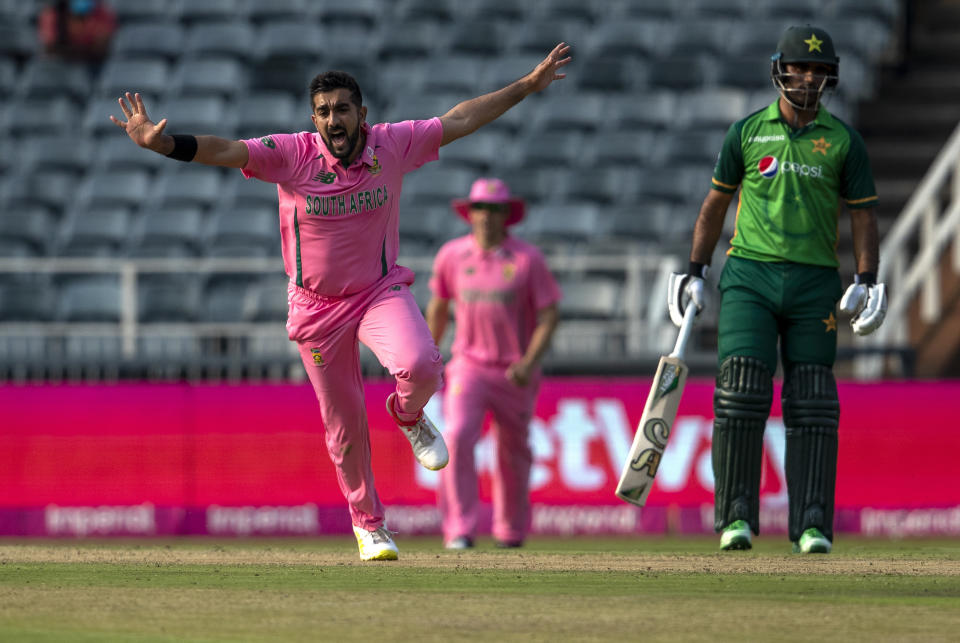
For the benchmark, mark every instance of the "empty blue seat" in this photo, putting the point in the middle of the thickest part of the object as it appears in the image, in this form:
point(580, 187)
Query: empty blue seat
point(289, 39)
point(59, 152)
point(477, 38)
point(28, 302)
point(189, 186)
point(645, 110)
point(32, 225)
point(115, 151)
point(196, 114)
point(628, 37)
point(233, 39)
point(480, 151)
point(581, 115)
point(570, 222)
point(202, 12)
point(157, 39)
point(127, 188)
point(591, 298)
point(53, 116)
point(223, 77)
point(168, 298)
point(98, 232)
point(90, 299)
point(179, 227)
point(266, 113)
point(712, 108)
point(553, 148)
point(147, 76)
point(621, 149)
point(280, 11)
point(45, 77)
point(413, 40)
point(436, 184)
point(679, 73)
point(269, 299)
point(356, 13)
point(244, 231)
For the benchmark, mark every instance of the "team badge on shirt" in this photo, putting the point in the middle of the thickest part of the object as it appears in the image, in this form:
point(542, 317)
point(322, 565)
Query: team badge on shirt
point(376, 168)
point(509, 270)
point(821, 145)
point(317, 357)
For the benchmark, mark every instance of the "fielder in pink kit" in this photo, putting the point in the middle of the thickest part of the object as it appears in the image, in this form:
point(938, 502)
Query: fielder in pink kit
point(506, 308)
point(339, 190)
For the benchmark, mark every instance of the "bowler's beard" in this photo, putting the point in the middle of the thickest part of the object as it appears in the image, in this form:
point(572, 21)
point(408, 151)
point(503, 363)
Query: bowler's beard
point(352, 138)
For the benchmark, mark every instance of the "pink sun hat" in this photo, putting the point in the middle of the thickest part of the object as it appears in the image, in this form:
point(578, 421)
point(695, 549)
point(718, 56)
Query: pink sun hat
point(488, 190)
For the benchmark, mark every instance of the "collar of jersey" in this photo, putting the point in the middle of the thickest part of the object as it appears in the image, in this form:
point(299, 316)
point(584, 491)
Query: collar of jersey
point(496, 251)
point(822, 119)
point(366, 157)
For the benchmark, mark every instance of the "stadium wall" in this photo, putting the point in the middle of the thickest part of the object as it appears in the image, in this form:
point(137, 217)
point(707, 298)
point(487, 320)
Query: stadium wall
point(244, 460)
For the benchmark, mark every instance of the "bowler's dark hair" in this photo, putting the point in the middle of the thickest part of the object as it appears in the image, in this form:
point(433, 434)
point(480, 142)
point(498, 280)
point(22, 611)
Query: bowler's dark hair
point(331, 80)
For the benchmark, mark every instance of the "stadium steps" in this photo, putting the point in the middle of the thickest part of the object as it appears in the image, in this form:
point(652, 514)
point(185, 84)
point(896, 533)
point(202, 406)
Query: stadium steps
point(905, 126)
point(938, 344)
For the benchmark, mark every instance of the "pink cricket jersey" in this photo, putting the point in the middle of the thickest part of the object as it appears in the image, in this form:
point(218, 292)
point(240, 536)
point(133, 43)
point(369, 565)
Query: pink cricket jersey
point(497, 294)
point(339, 226)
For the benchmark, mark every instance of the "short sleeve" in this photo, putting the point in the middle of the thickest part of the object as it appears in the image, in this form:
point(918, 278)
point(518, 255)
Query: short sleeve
point(440, 284)
point(857, 188)
point(272, 158)
point(728, 172)
point(415, 142)
point(544, 288)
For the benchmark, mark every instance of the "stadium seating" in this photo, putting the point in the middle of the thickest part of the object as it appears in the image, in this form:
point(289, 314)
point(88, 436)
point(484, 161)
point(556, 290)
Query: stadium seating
point(97, 232)
point(615, 159)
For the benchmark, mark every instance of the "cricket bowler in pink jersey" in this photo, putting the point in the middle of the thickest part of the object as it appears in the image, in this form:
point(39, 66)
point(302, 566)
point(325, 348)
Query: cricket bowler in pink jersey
point(339, 191)
point(506, 307)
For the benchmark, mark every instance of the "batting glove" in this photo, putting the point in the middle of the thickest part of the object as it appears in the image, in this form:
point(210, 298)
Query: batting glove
point(684, 289)
point(866, 300)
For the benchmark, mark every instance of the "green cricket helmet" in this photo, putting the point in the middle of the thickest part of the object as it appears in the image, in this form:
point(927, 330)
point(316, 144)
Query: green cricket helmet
point(804, 44)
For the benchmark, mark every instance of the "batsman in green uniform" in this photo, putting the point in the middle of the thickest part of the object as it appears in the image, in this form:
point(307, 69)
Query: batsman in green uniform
point(794, 164)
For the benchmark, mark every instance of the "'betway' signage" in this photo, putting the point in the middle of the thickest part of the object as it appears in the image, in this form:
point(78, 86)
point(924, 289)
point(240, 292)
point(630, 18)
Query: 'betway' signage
point(171, 459)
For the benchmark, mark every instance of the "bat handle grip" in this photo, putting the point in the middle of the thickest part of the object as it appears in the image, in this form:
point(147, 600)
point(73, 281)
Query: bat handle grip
point(685, 328)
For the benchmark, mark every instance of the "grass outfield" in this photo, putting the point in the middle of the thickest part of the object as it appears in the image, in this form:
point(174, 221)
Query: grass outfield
point(580, 589)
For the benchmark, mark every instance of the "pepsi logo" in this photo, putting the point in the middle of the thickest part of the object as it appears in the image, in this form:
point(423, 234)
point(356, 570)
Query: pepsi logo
point(768, 167)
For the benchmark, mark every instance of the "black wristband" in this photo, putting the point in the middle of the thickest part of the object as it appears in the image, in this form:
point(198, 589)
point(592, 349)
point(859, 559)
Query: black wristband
point(698, 269)
point(184, 147)
point(866, 278)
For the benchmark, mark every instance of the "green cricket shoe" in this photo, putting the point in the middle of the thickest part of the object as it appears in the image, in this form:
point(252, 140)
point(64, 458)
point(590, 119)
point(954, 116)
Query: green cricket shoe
point(812, 541)
point(736, 535)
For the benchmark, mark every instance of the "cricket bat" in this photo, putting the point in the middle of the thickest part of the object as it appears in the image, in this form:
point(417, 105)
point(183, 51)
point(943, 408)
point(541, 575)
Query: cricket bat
point(660, 411)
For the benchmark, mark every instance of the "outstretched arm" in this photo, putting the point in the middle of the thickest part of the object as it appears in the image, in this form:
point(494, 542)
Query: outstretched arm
point(211, 150)
point(468, 116)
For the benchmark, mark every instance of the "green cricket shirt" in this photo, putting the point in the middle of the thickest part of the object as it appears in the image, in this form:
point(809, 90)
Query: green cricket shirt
point(792, 182)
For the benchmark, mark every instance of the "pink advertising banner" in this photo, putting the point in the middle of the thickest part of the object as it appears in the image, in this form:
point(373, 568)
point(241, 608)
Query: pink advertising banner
point(160, 459)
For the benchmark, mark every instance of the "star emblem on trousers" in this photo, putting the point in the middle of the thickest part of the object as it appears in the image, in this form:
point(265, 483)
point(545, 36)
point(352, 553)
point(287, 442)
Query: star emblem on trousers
point(831, 323)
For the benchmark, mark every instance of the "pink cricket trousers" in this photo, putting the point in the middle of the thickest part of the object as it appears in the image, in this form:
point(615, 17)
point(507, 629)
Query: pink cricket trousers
point(471, 391)
point(386, 318)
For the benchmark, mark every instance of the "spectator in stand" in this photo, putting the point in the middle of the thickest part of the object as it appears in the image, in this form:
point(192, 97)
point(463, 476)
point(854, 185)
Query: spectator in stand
point(77, 30)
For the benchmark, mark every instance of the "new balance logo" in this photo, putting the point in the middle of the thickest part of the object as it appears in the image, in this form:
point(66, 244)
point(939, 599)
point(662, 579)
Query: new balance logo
point(325, 177)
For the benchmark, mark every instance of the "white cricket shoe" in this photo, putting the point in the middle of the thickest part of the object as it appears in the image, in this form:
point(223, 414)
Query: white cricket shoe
point(376, 544)
point(427, 443)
